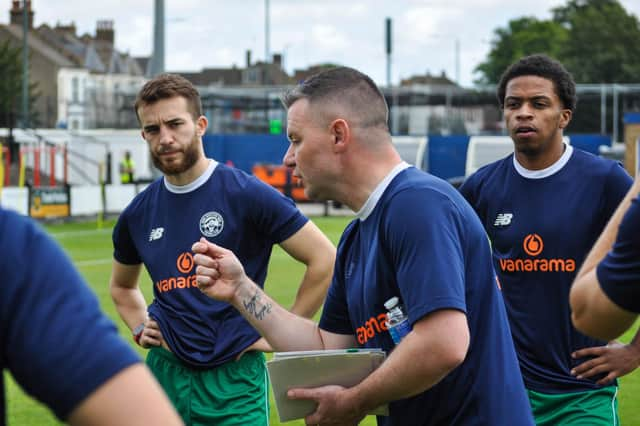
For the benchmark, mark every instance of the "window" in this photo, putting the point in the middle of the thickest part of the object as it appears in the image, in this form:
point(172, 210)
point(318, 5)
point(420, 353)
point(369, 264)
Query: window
point(75, 89)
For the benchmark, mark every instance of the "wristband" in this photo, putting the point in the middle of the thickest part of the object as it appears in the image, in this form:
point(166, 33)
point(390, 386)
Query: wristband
point(137, 333)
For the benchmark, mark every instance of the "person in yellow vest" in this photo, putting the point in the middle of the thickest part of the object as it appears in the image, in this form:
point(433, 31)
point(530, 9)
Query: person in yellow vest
point(127, 168)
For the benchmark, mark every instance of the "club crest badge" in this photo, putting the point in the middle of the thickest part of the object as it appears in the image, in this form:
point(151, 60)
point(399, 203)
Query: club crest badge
point(211, 224)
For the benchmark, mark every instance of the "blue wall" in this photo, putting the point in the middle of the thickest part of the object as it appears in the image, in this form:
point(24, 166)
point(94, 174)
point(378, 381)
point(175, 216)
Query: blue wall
point(246, 150)
point(589, 143)
point(447, 155)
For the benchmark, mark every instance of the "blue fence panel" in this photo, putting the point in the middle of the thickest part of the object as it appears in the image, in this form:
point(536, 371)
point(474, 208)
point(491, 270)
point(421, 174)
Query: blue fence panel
point(246, 150)
point(447, 155)
point(631, 118)
point(590, 142)
point(214, 147)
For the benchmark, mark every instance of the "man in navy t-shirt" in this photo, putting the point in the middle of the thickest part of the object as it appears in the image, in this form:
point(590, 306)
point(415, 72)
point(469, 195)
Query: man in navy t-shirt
point(605, 297)
point(58, 345)
point(543, 207)
point(414, 238)
point(202, 351)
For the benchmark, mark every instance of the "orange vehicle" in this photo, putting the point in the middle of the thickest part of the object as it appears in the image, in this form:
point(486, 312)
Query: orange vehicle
point(281, 178)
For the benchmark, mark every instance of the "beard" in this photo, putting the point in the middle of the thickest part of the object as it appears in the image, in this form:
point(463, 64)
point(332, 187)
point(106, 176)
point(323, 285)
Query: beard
point(190, 155)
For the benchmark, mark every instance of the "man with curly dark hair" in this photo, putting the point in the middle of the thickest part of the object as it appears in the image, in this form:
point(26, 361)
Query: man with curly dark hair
point(543, 207)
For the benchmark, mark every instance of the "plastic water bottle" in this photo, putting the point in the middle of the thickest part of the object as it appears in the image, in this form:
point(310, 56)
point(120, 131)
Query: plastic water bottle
point(397, 321)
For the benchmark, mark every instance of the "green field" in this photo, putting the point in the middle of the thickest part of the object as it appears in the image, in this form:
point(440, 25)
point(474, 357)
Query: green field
point(91, 250)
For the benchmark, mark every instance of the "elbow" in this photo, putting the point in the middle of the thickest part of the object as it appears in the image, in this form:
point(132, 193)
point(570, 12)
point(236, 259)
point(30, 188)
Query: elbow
point(584, 323)
point(578, 304)
point(328, 260)
point(589, 328)
point(454, 354)
point(579, 323)
point(456, 357)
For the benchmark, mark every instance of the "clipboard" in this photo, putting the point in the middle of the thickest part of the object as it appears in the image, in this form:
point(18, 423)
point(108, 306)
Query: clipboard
point(310, 369)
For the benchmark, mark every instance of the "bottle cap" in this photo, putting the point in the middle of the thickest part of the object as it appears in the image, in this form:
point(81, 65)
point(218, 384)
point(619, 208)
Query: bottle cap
point(391, 303)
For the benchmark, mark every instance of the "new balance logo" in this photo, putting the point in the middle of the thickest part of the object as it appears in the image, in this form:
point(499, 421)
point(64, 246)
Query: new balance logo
point(156, 234)
point(503, 219)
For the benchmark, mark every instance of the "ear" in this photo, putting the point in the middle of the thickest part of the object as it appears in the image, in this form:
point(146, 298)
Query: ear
point(201, 125)
point(565, 118)
point(341, 133)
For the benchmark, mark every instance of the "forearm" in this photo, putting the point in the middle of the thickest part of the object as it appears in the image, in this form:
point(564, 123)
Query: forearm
point(311, 247)
point(130, 305)
point(408, 371)
point(610, 233)
point(283, 330)
point(312, 290)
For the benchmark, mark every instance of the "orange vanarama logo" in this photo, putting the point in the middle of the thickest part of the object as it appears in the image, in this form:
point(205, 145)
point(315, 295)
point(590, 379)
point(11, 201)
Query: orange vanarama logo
point(185, 264)
point(533, 246)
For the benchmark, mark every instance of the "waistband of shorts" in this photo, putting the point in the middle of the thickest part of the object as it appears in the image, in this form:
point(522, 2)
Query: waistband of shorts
point(170, 357)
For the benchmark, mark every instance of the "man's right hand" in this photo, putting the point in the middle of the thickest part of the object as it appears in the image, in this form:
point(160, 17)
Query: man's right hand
point(219, 273)
point(152, 336)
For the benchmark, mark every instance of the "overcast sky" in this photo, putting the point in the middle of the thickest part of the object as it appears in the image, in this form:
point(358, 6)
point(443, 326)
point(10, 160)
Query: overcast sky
point(217, 33)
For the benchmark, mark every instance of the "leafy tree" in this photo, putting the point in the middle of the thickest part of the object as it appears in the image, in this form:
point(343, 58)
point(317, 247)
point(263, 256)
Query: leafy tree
point(597, 40)
point(11, 90)
point(523, 36)
point(603, 44)
point(11, 81)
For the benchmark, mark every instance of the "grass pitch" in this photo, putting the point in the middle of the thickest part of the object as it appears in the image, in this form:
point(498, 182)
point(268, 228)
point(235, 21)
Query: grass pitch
point(91, 251)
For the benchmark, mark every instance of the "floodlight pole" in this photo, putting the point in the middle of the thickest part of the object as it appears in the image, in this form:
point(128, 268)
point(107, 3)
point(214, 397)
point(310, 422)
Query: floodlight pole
point(388, 48)
point(457, 52)
point(267, 35)
point(25, 65)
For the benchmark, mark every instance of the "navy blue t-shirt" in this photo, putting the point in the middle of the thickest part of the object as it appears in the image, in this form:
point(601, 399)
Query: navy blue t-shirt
point(423, 243)
point(158, 228)
point(54, 339)
point(619, 272)
point(542, 225)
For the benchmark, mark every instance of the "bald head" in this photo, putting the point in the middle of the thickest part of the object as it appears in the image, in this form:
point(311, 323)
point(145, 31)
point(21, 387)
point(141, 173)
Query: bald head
point(342, 93)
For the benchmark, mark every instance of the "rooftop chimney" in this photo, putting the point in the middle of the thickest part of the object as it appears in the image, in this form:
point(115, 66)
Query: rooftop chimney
point(248, 56)
point(104, 31)
point(277, 59)
point(15, 14)
point(66, 29)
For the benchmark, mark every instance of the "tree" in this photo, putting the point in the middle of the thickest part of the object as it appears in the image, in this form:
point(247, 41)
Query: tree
point(523, 36)
point(597, 40)
point(11, 90)
point(603, 44)
point(11, 81)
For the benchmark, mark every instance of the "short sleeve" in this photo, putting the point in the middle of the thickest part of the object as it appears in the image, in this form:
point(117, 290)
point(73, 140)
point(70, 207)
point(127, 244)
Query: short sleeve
point(426, 245)
point(273, 214)
point(616, 186)
point(335, 312)
point(468, 189)
point(124, 250)
point(57, 343)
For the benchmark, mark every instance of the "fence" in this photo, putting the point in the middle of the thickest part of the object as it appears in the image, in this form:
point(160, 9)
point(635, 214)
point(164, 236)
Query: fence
point(443, 156)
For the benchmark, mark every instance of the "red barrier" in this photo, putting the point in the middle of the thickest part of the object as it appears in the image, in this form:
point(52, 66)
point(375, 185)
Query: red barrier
point(36, 167)
point(52, 162)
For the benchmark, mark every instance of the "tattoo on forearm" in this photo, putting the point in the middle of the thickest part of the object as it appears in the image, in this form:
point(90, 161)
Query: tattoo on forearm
point(251, 305)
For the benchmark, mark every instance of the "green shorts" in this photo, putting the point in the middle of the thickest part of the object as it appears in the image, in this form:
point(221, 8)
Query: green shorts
point(594, 408)
point(233, 394)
